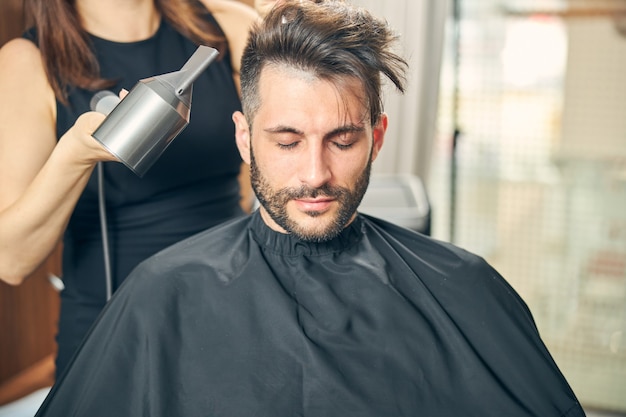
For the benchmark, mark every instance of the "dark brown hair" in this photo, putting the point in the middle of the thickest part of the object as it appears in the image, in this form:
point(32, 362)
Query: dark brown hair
point(65, 46)
point(330, 39)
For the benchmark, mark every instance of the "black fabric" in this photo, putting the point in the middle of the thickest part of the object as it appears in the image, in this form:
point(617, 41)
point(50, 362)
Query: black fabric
point(381, 321)
point(192, 186)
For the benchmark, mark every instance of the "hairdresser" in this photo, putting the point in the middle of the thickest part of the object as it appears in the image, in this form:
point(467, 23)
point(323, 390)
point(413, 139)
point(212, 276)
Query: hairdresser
point(48, 181)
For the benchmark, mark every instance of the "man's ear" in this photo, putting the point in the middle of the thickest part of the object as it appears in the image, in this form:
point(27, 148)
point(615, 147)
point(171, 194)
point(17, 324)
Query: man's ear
point(378, 133)
point(242, 136)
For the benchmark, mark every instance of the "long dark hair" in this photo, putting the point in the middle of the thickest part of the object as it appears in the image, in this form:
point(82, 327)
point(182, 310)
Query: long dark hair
point(67, 55)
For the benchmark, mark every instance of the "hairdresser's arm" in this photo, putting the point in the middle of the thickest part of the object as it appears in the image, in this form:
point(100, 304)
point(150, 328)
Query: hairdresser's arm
point(235, 19)
point(263, 7)
point(40, 180)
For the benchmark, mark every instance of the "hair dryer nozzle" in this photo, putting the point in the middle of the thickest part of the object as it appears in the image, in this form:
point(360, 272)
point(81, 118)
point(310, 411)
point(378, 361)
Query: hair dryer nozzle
point(194, 66)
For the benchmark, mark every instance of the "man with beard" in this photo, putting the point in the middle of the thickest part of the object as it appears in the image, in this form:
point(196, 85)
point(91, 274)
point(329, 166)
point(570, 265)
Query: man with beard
point(306, 307)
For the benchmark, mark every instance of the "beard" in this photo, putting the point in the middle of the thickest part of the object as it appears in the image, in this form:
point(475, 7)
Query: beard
point(275, 203)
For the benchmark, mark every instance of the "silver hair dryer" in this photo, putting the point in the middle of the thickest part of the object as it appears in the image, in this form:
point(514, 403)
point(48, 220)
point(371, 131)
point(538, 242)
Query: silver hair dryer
point(139, 127)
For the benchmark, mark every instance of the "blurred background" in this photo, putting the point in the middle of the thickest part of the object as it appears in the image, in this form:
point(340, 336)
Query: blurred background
point(515, 124)
point(536, 179)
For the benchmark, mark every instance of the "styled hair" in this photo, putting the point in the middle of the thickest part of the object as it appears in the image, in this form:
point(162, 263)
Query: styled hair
point(331, 40)
point(65, 46)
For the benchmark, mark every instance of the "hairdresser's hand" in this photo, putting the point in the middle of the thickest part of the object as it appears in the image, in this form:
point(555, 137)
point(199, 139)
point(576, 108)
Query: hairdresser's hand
point(87, 149)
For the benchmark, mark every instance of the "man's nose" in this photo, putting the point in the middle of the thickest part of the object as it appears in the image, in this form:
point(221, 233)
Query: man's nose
point(314, 169)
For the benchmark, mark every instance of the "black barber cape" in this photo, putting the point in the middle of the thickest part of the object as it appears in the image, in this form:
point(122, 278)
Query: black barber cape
point(241, 321)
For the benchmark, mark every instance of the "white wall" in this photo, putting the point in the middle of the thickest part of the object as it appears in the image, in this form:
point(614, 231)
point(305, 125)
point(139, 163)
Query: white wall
point(594, 108)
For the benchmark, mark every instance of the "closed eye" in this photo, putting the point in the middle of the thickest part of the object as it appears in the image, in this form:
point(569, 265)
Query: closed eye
point(287, 145)
point(345, 137)
point(343, 146)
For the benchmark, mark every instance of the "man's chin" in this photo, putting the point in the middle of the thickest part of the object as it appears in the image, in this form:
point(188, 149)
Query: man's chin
point(317, 226)
point(314, 226)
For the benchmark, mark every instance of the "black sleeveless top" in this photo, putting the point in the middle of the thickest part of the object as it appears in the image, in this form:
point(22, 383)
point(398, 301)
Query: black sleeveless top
point(193, 185)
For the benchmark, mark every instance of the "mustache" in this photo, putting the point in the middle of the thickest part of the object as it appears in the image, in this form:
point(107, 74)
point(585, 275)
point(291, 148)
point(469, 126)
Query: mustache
point(310, 192)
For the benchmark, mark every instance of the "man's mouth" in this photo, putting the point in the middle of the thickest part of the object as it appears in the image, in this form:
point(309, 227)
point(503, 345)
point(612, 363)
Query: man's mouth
point(314, 204)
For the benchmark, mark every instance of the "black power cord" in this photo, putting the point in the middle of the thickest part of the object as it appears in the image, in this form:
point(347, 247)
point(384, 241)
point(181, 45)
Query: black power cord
point(104, 232)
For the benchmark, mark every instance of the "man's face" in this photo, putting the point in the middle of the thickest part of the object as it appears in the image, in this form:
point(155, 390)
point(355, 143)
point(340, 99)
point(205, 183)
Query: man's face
point(310, 152)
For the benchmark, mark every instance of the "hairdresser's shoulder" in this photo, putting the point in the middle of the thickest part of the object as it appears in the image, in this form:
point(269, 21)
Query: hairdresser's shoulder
point(22, 74)
point(18, 52)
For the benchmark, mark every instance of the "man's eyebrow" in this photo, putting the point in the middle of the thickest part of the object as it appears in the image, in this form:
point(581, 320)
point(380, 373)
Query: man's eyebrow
point(350, 128)
point(283, 129)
